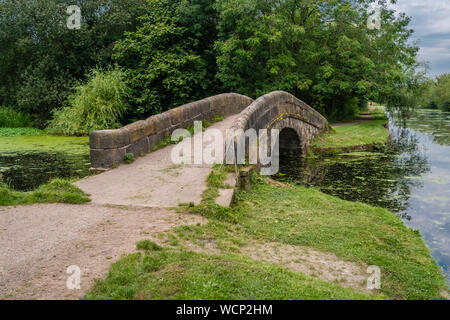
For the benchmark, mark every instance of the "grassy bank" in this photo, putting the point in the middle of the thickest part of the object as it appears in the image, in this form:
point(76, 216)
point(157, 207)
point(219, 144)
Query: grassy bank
point(175, 274)
point(215, 261)
point(56, 191)
point(352, 136)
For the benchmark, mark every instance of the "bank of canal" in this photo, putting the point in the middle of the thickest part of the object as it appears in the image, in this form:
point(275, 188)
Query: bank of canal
point(410, 178)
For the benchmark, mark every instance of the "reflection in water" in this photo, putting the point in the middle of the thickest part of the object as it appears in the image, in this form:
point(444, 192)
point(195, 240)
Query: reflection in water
point(28, 171)
point(411, 178)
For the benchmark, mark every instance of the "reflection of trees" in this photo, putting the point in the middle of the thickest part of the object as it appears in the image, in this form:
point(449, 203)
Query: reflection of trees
point(27, 171)
point(409, 160)
point(434, 123)
point(300, 171)
point(380, 180)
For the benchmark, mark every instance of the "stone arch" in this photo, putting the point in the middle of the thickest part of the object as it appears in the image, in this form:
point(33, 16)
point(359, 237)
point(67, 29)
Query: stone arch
point(281, 110)
point(290, 143)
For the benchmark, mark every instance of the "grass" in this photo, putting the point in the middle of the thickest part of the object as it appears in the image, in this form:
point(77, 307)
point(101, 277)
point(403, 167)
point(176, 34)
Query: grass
point(12, 132)
point(173, 274)
point(379, 113)
point(296, 216)
point(360, 134)
point(351, 230)
point(56, 191)
point(208, 208)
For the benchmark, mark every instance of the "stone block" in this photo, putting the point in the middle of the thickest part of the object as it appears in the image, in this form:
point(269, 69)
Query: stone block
point(106, 158)
point(162, 121)
point(150, 127)
point(109, 139)
point(140, 147)
point(136, 130)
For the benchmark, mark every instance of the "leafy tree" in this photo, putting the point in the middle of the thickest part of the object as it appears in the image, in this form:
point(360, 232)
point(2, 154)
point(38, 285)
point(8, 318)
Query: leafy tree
point(321, 51)
point(442, 92)
point(41, 59)
point(169, 60)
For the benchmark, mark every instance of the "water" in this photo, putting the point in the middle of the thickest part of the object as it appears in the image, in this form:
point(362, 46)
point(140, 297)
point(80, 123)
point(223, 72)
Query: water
point(26, 162)
point(411, 178)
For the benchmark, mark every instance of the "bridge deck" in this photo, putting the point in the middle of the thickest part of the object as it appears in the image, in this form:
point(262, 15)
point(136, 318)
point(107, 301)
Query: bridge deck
point(152, 180)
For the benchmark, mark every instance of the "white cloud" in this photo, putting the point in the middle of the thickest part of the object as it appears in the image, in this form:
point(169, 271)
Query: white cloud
point(431, 23)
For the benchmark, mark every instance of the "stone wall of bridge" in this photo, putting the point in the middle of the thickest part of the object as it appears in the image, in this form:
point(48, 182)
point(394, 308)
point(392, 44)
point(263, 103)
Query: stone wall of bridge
point(108, 147)
point(281, 110)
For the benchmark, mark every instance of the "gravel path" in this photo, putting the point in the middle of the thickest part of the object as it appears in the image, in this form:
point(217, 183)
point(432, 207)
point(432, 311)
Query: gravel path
point(131, 203)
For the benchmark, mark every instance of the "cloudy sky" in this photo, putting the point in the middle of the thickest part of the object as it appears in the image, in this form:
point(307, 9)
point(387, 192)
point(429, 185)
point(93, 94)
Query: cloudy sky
point(431, 22)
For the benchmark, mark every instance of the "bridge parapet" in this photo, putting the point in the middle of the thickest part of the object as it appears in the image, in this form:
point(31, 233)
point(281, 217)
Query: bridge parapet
point(281, 110)
point(108, 147)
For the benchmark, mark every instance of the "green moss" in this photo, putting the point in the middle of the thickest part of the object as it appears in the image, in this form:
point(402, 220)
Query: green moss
point(56, 191)
point(43, 143)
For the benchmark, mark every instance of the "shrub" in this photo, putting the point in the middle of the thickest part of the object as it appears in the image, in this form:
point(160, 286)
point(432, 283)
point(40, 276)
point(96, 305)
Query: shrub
point(10, 118)
point(96, 105)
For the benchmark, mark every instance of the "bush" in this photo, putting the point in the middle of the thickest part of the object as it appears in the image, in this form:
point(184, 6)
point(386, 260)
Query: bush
point(96, 105)
point(9, 118)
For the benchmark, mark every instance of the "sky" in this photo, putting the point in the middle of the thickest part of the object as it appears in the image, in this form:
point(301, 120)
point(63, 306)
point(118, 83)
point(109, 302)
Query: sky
point(431, 23)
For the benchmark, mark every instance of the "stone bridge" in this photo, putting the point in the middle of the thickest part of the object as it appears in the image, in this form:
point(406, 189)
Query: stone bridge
point(297, 122)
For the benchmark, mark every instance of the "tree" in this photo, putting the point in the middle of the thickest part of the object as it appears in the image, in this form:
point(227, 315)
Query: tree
point(169, 60)
point(41, 59)
point(321, 51)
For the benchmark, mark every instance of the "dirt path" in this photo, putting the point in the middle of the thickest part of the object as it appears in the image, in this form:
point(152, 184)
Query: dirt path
point(364, 117)
point(40, 242)
point(130, 203)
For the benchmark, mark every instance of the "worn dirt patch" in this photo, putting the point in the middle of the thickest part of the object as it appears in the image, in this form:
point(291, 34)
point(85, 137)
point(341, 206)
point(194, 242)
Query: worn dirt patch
point(322, 265)
point(40, 241)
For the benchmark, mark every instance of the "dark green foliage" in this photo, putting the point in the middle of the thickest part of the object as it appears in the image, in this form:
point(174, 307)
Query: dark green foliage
point(434, 93)
point(41, 59)
point(176, 51)
point(320, 51)
point(169, 59)
point(10, 118)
